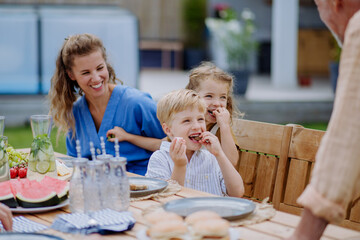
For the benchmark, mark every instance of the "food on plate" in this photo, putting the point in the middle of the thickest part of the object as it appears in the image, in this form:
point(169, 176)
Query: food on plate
point(201, 216)
point(138, 187)
point(18, 162)
point(211, 229)
point(22, 172)
point(61, 187)
point(167, 230)
point(14, 172)
point(160, 216)
point(17, 158)
point(31, 193)
point(6, 195)
point(62, 169)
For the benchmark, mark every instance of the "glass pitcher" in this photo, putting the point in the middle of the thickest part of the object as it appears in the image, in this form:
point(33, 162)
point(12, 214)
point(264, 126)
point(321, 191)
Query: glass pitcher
point(41, 158)
point(2, 125)
point(4, 164)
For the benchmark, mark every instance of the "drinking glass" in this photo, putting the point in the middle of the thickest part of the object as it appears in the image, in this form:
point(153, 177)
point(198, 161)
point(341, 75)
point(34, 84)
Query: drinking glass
point(2, 125)
point(120, 190)
point(77, 185)
point(94, 182)
point(4, 164)
point(106, 188)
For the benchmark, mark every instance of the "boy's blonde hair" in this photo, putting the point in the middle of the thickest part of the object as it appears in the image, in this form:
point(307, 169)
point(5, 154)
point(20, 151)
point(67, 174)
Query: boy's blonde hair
point(178, 101)
point(209, 71)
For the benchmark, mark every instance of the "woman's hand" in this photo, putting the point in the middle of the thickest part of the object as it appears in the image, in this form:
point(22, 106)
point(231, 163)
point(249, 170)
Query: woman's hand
point(178, 152)
point(6, 217)
point(117, 132)
point(222, 117)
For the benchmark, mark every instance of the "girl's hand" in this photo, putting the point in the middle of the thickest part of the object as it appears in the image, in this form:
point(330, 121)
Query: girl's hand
point(211, 142)
point(222, 117)
point(117, 132)
point(178, 152)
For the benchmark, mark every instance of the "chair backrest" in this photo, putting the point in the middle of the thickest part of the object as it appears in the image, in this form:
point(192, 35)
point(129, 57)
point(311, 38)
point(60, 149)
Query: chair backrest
point(276, 161)
point(304, 144)
point(262, 146)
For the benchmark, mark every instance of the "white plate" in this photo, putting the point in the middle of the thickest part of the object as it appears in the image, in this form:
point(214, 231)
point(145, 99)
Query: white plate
point(230, 208)
point(141, 235)
point(39, 209)
point(154, 186)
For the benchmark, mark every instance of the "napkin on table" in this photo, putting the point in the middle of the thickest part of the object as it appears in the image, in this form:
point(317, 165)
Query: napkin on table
point(104, 222)
point(24, 225)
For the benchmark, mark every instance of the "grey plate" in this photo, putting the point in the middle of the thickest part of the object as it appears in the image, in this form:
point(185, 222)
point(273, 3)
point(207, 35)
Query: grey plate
point(39, 209)
point(154, 186)
point(229, 208)
point(28, 236)
point(67, 160)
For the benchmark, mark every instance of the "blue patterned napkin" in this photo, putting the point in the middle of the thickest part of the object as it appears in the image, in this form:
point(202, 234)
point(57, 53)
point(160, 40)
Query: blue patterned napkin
point(24, 225)
point(104, 222)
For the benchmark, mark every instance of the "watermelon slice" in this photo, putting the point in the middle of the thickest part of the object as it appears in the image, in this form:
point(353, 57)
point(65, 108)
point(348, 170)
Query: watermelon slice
point(61, 187)
point(6, 195)
point(41, 196)
point(15, 185)
point(31, 193)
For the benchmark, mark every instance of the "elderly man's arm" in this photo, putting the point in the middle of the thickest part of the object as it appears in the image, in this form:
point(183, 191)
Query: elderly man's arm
point(310, 227)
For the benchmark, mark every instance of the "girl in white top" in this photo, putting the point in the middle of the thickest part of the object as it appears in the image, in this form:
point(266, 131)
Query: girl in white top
point(181, 114)
point(215, 87)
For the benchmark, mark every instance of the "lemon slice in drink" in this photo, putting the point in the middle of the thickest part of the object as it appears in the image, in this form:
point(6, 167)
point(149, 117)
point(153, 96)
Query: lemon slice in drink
point(42, 166)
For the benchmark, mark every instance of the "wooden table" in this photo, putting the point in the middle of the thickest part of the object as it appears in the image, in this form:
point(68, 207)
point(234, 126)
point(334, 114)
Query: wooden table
point(279, 227)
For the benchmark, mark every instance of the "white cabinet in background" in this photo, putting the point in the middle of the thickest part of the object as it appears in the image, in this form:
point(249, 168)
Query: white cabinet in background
point(117, 28)
point(19, 50)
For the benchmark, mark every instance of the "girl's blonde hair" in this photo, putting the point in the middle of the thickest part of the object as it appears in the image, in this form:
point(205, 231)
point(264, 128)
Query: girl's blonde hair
point(178, 101)
point(64, 91)
point(209, 71)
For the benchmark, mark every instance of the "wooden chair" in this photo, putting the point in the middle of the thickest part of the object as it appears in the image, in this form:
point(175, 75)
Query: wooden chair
point(263, 146)
point(276, 161)
point(295, 171)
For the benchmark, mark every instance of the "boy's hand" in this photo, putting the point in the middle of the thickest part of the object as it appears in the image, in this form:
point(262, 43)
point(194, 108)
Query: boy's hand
point(178, 152)
point(211, 142)
point(117, 132)
point(222, 117)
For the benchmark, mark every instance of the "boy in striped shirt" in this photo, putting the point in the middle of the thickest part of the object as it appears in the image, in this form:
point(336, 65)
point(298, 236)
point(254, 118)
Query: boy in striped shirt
point(182, 158)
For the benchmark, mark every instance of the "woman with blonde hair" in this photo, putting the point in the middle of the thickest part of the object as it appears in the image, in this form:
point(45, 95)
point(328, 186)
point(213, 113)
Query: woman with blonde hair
point(86, 102)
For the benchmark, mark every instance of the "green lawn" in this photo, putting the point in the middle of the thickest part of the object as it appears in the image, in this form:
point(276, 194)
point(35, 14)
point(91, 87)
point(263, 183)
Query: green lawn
point(318, 126)
point(21, 137)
